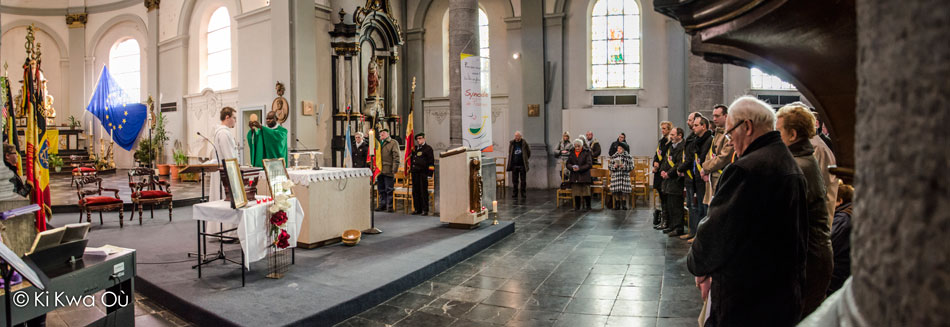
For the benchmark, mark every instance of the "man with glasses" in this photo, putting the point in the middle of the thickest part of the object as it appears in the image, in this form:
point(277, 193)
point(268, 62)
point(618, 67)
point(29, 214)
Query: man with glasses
point(749, 251)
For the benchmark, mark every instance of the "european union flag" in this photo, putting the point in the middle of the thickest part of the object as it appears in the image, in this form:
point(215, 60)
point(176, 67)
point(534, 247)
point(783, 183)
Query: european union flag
point(117, 111)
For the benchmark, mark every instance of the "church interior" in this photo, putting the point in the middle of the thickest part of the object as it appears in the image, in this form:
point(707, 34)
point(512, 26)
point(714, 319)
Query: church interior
point(474, 162)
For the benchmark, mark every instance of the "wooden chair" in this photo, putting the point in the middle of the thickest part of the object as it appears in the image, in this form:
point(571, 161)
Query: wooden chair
point(602, 185)
point(560, 193)
point(148, 189)
point(501, 176)
point(402, 190)
point(79, 170)
point(88, 204)
point(641, 185)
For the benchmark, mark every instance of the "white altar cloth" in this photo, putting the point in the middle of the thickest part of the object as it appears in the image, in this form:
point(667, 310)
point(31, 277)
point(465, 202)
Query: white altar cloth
point(304, 177)
point(253, 223)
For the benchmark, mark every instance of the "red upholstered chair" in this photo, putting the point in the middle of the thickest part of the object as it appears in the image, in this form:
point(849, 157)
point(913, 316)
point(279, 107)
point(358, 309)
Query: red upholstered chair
point(91, 199)
point(148, 189)
point(80, 170)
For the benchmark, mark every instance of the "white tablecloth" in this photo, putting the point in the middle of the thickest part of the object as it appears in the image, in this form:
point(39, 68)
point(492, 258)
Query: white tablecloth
point(253, 223)
point(304, 177)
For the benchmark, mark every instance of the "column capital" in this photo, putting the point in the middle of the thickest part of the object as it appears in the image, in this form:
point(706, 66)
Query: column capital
point(152, 4)
point(77, 20)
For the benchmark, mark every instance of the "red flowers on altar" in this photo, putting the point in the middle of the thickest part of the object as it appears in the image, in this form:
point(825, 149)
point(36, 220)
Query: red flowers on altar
point(278, 218)
point(282, 239)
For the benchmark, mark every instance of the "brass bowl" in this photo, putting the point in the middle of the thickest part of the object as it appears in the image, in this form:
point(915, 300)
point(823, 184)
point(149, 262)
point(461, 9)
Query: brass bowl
point(351, 237)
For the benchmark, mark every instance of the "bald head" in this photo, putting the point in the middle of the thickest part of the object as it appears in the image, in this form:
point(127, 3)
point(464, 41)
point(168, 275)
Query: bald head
point(271, 119)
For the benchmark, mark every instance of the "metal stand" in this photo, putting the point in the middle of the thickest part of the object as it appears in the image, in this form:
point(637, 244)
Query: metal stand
point(372, 212)
point(7, 273)
point(203, 255)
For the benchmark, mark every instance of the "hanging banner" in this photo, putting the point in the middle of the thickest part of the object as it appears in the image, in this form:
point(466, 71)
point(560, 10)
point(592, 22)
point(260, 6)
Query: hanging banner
point(476, 104)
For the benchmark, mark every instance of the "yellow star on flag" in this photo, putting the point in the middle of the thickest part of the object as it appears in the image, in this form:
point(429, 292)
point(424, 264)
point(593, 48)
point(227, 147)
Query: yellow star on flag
point(107, 115)
point(123, 120)
point(120, 126)
point(126, 112)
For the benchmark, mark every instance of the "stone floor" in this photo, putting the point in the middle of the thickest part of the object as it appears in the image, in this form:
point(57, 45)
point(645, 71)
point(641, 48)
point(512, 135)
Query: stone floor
point(147, 314)
point(560, 268)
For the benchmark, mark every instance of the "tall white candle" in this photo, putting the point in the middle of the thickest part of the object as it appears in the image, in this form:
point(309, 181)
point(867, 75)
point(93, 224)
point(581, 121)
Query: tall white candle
point(372, 142)
point(494, 206)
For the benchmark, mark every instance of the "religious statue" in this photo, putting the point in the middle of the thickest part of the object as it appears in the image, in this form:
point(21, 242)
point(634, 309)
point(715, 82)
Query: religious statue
point(280, 106)
point(266, 142)
point(475, 185)
point(372, 78)
point(48, 110)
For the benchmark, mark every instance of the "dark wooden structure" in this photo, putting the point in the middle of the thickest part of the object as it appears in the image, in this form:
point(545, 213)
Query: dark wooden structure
point(148, 189)
point(812, 44)
point(91, 199)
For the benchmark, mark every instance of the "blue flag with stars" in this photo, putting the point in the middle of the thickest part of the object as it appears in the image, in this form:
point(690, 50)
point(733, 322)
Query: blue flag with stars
point(118, 113)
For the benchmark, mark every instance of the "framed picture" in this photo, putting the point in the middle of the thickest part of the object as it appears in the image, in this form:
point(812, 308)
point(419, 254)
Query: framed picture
point(236, 183)
point(276, 177)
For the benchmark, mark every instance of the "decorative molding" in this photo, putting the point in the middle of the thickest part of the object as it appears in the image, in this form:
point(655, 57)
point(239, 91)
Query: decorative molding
point(440, 115)
point(76, 20)
point(151, 4)
point(173, 43)
point(252, 17)
point(26, 11)
point(513, 23)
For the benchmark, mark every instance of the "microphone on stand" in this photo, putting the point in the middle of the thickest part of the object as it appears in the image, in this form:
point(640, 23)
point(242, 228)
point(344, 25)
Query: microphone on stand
point(213, 147)
point(316, 166)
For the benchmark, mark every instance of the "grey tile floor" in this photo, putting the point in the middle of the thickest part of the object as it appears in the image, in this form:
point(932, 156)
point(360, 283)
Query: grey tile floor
point(559, 268)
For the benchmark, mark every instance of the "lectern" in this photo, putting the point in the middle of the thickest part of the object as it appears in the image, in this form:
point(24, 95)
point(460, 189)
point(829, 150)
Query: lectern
point(460, 187)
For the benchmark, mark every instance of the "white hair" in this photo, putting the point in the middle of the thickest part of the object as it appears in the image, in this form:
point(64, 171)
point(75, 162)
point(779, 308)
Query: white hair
point(579, 141)
point(750, 108)
point(360, 134)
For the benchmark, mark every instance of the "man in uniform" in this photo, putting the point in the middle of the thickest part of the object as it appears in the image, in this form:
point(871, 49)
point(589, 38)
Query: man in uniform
point(673, 184)
point(423, 165)
point(267, 143)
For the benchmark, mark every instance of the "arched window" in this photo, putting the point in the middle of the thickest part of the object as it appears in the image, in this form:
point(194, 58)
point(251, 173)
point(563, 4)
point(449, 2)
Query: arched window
point(763, 81)
point(218, 72)
point(126, 67)
point(615, 44)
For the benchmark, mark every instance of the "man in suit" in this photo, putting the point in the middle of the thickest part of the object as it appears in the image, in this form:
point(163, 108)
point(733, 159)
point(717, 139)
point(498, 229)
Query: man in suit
point(673, 184)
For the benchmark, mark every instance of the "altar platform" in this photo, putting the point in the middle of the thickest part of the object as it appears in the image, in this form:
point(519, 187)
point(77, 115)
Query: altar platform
point(324, 287)
point(64, 194)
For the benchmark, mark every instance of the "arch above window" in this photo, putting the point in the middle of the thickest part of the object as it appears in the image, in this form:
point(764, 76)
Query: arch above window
point(125, 65)
point(218, 70)
point(615, 44)
point(764, 81)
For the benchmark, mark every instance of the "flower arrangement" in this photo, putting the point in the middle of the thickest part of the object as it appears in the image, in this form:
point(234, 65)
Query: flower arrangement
point(278, 219)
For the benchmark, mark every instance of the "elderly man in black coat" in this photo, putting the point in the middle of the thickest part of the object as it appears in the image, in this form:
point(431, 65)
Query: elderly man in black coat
point(749, 252)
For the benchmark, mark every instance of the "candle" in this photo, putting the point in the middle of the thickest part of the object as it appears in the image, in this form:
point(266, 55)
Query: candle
point(494, 206)
point(372, 141)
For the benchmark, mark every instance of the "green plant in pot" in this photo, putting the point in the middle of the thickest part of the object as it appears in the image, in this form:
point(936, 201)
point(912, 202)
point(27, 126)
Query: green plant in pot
point(159, 137)
point(181, 160)
point(56, 162)
point(142, 153)
point(74, 123)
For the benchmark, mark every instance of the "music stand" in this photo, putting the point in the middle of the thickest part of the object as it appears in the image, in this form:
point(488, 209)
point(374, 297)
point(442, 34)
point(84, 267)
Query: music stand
point(202, 169)
point(12, 262)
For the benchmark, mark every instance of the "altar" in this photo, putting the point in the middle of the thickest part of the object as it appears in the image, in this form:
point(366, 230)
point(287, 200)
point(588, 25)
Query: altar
point(333, 200)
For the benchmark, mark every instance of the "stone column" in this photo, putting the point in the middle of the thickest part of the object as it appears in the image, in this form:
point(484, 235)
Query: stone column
point(415, 61)
point(704, 85)
point(900, 254)
point(463, 38)
point(77, 67)
point(151, 50)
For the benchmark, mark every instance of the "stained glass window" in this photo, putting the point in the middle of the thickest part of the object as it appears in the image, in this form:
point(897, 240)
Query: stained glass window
point(615, 44)
point(218, 72)
point(125, 65)
point(763, 81)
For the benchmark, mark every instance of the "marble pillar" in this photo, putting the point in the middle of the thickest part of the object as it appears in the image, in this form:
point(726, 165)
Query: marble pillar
point(463, 38)
point(900, 255)
point(704, 85)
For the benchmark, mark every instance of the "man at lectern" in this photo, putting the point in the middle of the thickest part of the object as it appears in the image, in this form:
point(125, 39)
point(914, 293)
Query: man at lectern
point(423, 166)
point(267, 143)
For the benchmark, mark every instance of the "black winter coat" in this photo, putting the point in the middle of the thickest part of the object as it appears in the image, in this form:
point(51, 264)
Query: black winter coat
point(359, 155)
point(841, 244)
point(422, 159)
point(753, 240)
point(525, 153)
point(662, 146)
point(673, 184)
point(697, 148)
point(584, 163)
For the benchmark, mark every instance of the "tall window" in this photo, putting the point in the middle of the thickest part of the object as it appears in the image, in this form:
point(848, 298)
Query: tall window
point(615, 44)
point(126, 67)
point(218, 73)
point(763, 81)
point(483, 48)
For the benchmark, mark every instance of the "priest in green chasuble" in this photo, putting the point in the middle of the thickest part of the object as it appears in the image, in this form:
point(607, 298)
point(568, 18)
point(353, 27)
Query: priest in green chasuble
point(267, 142)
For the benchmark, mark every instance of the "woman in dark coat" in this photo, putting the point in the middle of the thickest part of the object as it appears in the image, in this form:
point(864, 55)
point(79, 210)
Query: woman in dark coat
point(579, 162)
point(622, 139)
point(621, 163)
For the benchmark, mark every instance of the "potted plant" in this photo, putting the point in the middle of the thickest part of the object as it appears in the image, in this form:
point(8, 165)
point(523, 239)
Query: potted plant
point(180, 161)
point(142, 153)
point(56, 162)
point(74, 123)
point(159, 137)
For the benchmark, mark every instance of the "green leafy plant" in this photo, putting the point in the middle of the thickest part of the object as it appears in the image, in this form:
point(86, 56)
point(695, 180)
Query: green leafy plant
point(159, 137)
point(180, 157)
point(55, 160)
point(142, 153)
point(74, 123)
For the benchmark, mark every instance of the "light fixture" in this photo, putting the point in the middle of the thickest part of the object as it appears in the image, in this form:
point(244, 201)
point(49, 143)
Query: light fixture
point(516, 55)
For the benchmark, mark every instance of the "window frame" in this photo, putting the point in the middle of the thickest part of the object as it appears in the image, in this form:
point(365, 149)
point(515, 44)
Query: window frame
point(752, 76)
point(207, 74)
point(117, 71)
point(590, 48)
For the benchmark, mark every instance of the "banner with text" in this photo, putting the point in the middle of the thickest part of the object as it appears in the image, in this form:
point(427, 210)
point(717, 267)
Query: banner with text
point(476, 103)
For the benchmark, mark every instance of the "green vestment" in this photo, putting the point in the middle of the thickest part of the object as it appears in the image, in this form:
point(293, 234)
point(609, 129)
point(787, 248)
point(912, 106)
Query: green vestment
point(267, 143)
